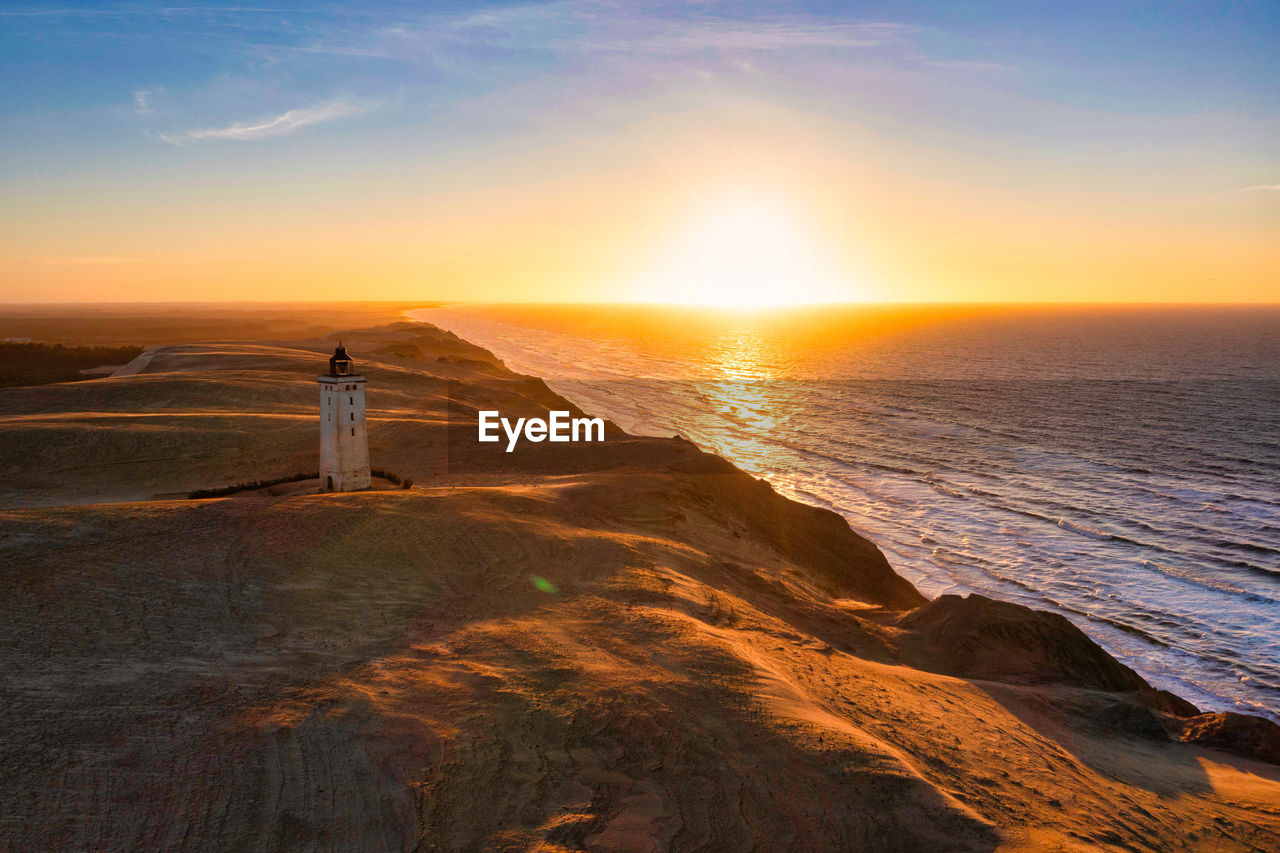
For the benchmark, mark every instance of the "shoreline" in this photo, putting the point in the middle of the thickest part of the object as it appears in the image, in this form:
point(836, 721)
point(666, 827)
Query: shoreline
point(1213, 686)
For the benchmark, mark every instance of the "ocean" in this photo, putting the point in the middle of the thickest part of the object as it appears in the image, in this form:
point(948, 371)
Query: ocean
point(1117, 465)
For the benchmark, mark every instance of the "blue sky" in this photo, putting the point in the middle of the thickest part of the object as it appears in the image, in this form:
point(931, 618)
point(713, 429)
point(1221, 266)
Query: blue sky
point(170, 69)
point(137, 99)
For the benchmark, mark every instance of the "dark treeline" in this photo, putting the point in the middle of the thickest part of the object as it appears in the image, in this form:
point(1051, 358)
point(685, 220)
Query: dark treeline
point(396, 479)
point(223, 491)
point(42, 364)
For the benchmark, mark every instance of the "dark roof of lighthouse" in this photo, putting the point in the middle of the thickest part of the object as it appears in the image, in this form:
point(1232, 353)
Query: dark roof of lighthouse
point(340, 357)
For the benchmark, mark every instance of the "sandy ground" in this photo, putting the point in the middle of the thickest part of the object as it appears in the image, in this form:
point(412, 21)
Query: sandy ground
point(627, 647)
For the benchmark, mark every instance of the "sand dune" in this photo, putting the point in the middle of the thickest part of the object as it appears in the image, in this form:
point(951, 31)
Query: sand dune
point(625, 647)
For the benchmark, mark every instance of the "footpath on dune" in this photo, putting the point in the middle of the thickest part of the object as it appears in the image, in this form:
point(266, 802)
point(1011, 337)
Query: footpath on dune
point(624, 646)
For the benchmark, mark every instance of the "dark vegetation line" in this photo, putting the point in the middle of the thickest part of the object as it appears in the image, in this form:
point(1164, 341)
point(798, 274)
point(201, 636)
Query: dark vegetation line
point(223, 491)
point(402, 482)
point(44, 364)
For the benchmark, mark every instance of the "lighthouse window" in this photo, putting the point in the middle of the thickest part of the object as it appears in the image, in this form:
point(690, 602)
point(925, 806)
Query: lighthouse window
point(353, 416)
point(353, 430)
point(352, 400)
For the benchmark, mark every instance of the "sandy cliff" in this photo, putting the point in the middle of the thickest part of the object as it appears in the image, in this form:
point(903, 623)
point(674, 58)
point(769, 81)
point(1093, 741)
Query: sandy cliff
point(631, 646)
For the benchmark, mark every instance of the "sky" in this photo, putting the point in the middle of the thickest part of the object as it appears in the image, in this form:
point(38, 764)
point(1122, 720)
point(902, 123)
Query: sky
point(726, 154)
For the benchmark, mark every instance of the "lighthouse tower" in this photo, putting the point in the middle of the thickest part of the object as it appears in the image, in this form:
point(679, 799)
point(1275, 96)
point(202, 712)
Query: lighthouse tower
point(344, 443)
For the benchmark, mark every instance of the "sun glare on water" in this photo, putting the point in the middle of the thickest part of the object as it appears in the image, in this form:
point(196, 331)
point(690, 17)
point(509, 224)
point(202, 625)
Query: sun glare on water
point(743, 253)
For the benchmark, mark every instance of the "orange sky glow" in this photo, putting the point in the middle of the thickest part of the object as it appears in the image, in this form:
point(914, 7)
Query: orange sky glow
point(719, 181)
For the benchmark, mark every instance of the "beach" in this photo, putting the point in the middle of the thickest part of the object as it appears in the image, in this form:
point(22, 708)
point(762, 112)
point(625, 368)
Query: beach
point(631, 645)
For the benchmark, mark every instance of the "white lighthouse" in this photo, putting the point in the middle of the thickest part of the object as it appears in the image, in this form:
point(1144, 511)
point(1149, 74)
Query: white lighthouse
point(344, 443)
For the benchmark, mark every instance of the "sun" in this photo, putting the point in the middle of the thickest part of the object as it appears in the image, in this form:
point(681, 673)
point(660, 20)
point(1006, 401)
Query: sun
point(742, 252)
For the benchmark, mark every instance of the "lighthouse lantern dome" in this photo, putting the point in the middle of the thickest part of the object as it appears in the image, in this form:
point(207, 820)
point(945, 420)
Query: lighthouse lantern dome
point(340, 362)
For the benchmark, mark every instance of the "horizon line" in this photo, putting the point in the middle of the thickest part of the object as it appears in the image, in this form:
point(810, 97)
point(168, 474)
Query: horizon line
point(440, 303)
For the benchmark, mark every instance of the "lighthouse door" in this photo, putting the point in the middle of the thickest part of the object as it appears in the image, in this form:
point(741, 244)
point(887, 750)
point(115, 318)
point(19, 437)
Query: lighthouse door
point(330, 483)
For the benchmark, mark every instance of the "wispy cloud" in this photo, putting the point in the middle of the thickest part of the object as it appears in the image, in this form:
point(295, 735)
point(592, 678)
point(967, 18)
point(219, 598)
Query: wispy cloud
point(971, 65)
point(142, 100)
point(587, 28)
point(280, 125)
point(774, 36)
point(1261, 188)
point(68, 261)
